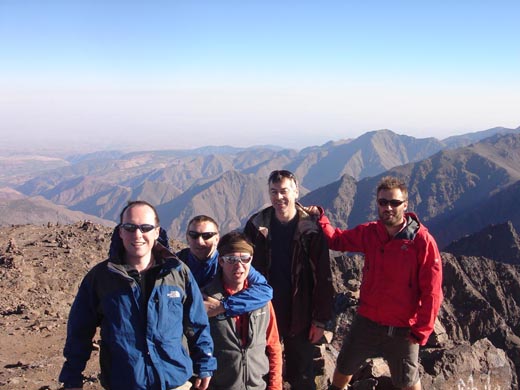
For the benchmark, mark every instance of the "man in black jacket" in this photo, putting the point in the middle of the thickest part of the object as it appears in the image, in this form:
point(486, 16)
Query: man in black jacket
point(291, 251)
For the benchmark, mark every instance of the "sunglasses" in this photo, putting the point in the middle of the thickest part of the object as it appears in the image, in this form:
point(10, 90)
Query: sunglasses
point(132, 227)
point(278, 174)
point(205, 235)
point(392, 202)
point(237, 259)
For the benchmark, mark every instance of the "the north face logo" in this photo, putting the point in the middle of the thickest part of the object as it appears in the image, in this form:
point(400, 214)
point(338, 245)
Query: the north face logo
point(174, 294)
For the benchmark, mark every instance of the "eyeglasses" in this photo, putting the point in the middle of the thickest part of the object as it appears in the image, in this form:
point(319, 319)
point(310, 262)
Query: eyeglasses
point(392, 202)
point(132, 227)
point(276, 175)
point(205, 235)
point(237, 259)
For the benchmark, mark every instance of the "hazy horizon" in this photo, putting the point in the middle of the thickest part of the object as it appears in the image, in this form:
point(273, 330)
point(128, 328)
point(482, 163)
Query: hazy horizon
point(90, 75)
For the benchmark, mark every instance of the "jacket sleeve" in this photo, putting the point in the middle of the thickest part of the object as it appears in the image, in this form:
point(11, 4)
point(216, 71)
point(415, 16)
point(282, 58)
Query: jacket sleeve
point(430, 287)
point(323, 294)
point(273, 350)
point(199, 338)
point(81, 328)
point(350, 240)
point(258, 293)
point(250, 231)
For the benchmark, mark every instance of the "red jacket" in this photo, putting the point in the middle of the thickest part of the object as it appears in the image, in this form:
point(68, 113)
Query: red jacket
point(402, 275)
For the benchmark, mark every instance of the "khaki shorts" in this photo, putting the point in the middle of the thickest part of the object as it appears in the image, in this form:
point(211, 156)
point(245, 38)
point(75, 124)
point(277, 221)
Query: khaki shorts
point(367, 339)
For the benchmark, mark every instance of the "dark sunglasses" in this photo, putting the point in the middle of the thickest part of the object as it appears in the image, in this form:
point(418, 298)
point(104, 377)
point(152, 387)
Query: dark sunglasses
point(205, 235)
point(237, 259)
point(278, 174)
point(132, 227)
point(392, 202)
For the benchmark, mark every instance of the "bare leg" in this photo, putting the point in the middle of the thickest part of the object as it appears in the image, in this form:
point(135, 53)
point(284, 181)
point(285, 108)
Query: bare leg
point(340, 380)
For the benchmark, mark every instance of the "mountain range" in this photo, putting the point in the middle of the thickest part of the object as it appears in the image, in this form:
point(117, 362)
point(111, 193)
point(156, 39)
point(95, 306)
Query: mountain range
point(457, 185)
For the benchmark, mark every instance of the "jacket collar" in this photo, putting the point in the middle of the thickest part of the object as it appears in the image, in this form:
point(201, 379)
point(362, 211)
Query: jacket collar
point(408, 233)
point(306, 222)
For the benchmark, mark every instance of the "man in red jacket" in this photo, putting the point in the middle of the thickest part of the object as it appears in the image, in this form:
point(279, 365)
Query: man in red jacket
point(400, 292)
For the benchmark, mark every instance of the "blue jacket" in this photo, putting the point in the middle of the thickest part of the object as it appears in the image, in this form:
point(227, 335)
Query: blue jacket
point(141, 340)
point(255, 297)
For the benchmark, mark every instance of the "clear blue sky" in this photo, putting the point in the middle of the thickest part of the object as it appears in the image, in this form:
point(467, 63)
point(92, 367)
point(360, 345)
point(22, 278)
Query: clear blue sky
point(182, 74)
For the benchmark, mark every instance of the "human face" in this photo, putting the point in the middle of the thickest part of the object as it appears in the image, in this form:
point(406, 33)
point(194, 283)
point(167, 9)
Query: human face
point(234, 275)
point(392, 216)
point(138, 245)
point(283, 198)
point(203, 249)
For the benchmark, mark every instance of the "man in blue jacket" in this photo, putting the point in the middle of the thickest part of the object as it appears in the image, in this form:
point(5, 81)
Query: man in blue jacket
point(202, 235)
point(145, 301)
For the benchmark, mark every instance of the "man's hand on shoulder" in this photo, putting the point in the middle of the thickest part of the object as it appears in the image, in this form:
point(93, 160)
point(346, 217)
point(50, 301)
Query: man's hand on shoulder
point(213, 306)
point(312, 210)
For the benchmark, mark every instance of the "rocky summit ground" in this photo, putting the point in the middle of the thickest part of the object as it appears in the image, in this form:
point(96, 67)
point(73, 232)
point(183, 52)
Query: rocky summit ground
point(41, 267)
point(40, 271)
point(475, 344)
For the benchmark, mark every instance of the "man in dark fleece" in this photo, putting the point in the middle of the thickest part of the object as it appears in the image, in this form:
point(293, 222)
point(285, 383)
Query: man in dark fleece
point(291, 251)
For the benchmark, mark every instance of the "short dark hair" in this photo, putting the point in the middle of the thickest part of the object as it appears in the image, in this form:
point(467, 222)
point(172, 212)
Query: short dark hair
point(392, 182)
point(199, 219)
point(280, 174)
point(134, 203)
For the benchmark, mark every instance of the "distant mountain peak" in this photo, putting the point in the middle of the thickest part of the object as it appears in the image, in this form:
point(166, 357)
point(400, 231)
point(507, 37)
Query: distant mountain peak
point(499, 242)
point(7, 193)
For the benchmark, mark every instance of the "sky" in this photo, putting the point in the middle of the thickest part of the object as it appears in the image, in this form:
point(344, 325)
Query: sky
point(177, 74)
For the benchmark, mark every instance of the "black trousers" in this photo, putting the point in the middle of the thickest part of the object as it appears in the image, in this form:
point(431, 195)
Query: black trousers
point(298, 359)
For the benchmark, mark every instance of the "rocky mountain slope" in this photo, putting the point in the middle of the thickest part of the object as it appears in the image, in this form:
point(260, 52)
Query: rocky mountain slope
point(499, 242)
point(230, 198)
point(101, 183)
point(458, 141)
point(368, 155)
point(16, 208)
point(454, 192)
